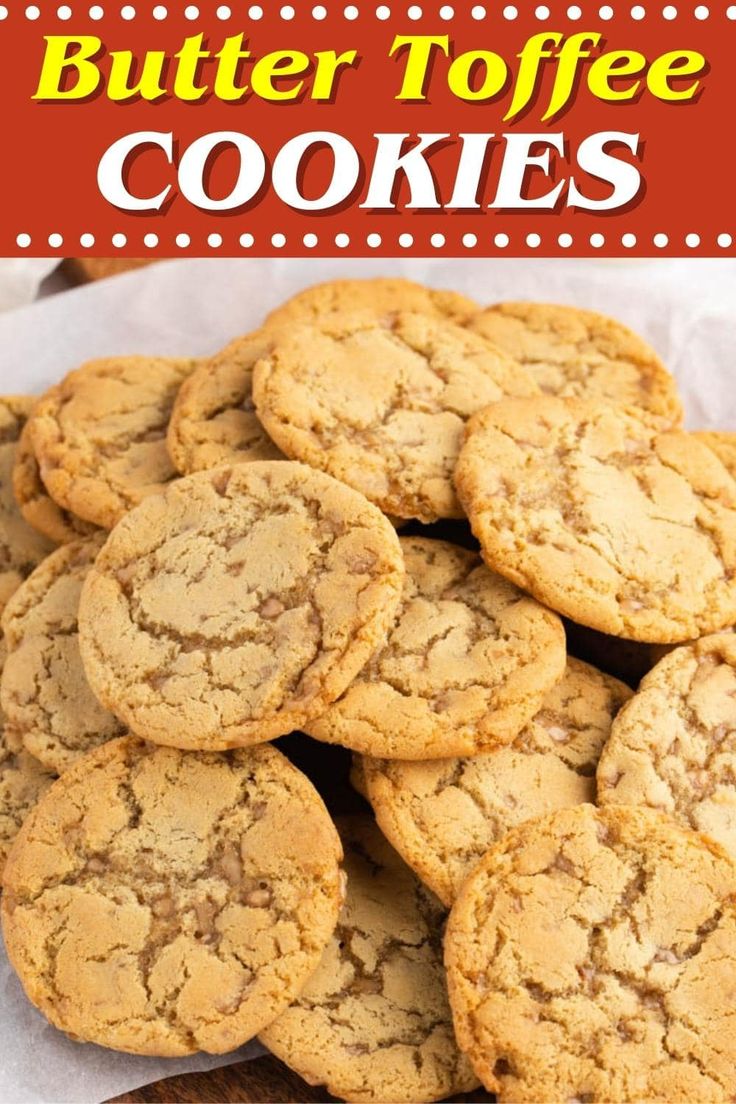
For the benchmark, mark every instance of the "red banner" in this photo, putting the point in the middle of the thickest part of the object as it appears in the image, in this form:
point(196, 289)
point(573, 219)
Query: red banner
point(367, 130)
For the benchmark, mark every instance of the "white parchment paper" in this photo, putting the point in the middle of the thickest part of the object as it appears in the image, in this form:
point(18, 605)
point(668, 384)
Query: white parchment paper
point(686, 308)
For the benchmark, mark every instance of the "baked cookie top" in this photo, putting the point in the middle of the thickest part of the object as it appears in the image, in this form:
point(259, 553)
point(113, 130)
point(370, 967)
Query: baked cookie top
point(36, 504)
point(444, 814)
point(238, 605)
point(591, 956)
point(467, 663)
point(723, 444)
point(163, 903)
point(604, 514)
point(21, 547)
point(22, 781)
point(214, 420)
point(100, 435)
point(674, 746)
point(44, 690)
point(577, 353)
point(381, 296)
point(373, 1022)
point(381, 402)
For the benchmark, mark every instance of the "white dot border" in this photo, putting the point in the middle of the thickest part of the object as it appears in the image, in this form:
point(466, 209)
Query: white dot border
point(545, 241)
point(383, 12)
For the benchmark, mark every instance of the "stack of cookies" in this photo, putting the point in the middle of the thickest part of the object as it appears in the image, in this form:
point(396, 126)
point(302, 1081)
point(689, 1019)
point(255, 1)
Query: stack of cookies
point(475, 548)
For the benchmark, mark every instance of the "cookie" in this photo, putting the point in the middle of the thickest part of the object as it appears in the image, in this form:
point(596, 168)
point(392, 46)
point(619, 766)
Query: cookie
point(238, 605)
point(21, 547)
point(577, 353)
point(373, 1022)
point(591, 956)
point(674, 746)
point(382, 296)
point(381, 403)
point(605, 515)
point(466, 665)
point(214, 421)
point(44, 691)
point(163, 903)
point(22, 781)
point(723, 444)
point(35, 503)
point(100, 435)
point(443, 815)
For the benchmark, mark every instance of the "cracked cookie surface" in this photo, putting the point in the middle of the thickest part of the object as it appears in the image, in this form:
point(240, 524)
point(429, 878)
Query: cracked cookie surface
point(578, 353)
point(162, 903)
point(723, 444)
point(444, 814)
point(673, 747)
point(373, 1022)
point(605, 515)
point(591, 957)
point(380, 402)
point(44, 690)
point(214, 420)
point(21, 547)
point(467, 663)
point(36, 504)
point(100, 435)
point(22, 781)
point(238, 605)
point(381, 296)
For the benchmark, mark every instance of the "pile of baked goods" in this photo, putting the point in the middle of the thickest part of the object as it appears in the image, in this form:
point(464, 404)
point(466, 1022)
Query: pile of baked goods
point(475, 548)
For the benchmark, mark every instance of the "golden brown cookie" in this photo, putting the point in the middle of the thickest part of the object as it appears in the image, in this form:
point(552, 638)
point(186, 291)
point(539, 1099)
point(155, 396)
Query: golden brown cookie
point(443, 815)
point(383, 296)
point(21, 547)
point(605, 515)
point(466, 665)
point(214, 421)
point(22, 781)
point(100, 435)
point(163, 903)
point(674, 746)
point(36, 504)
point(577, 353)
point(238, 605)
point(381, 403)
point(373, 1022)
point(591, 956)
point(723, 444)
point(44, 690)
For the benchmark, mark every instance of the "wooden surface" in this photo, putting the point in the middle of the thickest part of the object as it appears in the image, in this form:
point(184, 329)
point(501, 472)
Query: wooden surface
point(262, 1081)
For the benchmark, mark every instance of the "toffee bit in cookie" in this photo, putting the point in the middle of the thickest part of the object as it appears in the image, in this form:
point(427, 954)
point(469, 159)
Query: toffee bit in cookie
point(272, 607)
point(258, 898)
